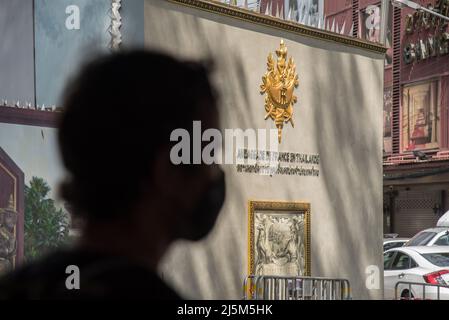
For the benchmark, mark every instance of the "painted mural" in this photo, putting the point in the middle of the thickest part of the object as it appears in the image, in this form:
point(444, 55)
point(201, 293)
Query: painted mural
point(46, 225)
point(16, 51)
point(32, 220)
point(44, 41)
point(66, 33)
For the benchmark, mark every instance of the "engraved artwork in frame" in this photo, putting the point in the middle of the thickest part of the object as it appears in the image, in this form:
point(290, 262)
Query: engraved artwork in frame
point(279, 238)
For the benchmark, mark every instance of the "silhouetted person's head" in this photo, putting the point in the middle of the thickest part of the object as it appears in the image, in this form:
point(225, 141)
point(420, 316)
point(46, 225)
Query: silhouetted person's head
point(114, 136)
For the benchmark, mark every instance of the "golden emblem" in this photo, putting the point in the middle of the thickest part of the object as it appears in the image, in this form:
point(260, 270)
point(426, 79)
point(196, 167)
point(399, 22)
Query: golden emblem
point(279, 83)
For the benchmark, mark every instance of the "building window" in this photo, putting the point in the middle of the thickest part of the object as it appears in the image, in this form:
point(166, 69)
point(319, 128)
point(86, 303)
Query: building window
point(308, 12)
point(420, 120)
point(371, 23)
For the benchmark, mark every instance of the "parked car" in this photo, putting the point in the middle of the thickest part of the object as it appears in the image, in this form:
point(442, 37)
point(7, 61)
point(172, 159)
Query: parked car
point(390, 243)
point(438, 236)
point(426, 265)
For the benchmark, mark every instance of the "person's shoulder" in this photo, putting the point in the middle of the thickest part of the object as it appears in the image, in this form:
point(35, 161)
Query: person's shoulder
point(89, 275)
point(123, 279)
point(33, 279)
point(21, 282)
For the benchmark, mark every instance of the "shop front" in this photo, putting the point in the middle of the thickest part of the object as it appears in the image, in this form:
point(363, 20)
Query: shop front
point(415, 171)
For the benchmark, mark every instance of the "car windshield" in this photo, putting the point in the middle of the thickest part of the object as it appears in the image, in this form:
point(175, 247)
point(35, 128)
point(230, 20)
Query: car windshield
point(391, 245)
point(438, 259)
point(421, 239)
point(443, 240)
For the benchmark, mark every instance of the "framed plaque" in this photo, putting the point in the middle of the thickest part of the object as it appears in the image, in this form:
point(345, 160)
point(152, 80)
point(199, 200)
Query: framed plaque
point(279, 238)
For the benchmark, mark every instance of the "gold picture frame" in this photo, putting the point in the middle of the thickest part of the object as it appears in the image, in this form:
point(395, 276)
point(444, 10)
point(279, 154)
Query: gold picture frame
point(279, 226)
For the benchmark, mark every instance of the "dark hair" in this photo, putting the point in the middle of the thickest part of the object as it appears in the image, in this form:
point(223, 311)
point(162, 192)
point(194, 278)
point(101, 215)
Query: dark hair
point(118, 113)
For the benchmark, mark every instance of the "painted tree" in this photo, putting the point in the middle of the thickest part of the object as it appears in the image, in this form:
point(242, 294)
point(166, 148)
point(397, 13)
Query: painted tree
point(46, 226)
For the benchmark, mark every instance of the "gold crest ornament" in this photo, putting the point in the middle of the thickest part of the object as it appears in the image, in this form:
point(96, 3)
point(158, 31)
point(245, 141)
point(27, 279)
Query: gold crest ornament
point(279, 83)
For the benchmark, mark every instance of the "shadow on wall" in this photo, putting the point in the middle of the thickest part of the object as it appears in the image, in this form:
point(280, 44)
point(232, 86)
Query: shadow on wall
point(337, 132)
point(215, 276)
point(310, 42)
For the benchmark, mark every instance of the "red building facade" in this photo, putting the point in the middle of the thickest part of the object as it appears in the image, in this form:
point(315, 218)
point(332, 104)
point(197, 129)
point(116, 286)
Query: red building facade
point(416, 104)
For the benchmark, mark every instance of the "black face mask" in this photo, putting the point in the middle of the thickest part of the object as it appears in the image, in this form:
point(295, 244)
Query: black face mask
point(202, 220)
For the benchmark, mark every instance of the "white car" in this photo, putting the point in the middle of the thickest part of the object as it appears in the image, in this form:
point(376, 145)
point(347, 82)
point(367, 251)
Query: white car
point(390, 243)
point(426, 265)
point(438, 236)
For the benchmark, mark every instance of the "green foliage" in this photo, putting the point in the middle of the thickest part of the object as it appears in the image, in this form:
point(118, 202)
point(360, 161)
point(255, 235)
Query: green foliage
point(46, 227)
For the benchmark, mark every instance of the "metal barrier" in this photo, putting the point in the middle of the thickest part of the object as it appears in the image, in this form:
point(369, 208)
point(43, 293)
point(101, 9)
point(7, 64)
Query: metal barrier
point(295, 288)
point(414, 289)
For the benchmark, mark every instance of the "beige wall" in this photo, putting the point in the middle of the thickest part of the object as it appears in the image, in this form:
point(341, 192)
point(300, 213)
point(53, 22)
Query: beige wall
point(338, 116)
